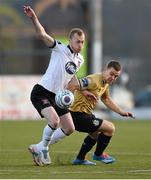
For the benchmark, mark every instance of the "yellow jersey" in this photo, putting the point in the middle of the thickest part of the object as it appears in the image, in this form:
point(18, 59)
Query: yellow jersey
point(93, 83)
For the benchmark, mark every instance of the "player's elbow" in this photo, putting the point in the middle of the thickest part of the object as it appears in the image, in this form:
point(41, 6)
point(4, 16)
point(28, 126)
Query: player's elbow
point(76, 86)
point(41, 35)
point(104, 100)
point(72, 86)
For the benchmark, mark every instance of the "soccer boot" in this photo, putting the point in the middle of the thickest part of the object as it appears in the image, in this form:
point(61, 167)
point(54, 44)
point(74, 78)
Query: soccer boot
point(105, 158)
point(82, 162)
point(35, 154)
point(45, 158)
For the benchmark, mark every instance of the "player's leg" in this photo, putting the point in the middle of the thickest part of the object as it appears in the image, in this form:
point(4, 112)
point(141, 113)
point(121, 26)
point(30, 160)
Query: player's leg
point(52, 122)
point(107, 130)
point(43, 102)
point(67, 127)
point(67, 123)
point(42, 147)
point(85, 123)
point(87, 145)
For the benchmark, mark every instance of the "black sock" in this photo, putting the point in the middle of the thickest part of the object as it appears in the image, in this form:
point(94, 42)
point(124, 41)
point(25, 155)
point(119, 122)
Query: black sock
point(86, 147)
point(102, 143)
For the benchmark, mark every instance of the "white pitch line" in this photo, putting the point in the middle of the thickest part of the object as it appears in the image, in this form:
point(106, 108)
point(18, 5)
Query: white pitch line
point(140, 170)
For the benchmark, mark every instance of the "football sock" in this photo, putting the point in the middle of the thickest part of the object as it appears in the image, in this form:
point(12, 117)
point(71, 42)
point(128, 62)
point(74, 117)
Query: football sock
point(102, 143)
point(86, 147)
point(46, 137)
point(57, 136)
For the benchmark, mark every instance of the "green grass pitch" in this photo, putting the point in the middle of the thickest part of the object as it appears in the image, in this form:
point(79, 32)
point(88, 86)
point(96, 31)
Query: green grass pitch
point(131, 146)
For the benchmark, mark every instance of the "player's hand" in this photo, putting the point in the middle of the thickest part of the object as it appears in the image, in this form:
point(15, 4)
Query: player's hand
point(29, 12)
point(90, 96)
point(128, 114)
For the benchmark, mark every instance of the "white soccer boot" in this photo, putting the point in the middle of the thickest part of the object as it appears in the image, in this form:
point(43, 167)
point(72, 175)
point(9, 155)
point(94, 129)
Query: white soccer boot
point(35, 154)
point(45, 157)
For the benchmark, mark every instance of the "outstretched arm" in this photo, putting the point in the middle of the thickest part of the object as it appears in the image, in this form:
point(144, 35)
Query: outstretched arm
point(48, 40)
point(114, 107)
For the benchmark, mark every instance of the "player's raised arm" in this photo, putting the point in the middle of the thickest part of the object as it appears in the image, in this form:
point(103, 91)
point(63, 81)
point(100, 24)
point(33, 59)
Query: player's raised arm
point(48, 40)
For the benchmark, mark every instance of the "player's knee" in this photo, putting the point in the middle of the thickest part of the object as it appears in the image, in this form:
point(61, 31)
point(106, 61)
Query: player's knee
point(69, 131)
point(111, 129)
point(54, 123)
point(108, 128)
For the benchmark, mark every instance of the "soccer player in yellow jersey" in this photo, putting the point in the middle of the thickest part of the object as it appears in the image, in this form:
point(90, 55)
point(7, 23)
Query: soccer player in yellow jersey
point(99, 131)
point(88, 90)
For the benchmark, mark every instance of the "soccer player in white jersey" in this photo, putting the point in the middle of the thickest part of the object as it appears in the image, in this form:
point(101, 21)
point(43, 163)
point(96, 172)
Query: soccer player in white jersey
point(64, 62)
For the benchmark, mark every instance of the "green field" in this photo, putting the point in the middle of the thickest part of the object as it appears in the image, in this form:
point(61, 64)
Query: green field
point(131, 146)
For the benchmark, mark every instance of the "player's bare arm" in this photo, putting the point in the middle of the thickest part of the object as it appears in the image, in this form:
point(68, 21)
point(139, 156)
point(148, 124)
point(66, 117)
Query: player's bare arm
point(48, 40)
point(114, 107)
point(90, 96)
point(73, 84)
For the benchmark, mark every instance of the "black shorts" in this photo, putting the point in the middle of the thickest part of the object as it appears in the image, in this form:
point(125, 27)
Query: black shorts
point(42, 98)
point(84, 122)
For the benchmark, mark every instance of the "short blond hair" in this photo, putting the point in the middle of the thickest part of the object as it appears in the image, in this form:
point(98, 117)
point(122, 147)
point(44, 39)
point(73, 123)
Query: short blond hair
point(73, 31)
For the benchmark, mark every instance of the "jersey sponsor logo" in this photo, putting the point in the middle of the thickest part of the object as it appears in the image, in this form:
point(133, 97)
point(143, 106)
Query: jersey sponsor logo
point(71, 67)
point(84, 82)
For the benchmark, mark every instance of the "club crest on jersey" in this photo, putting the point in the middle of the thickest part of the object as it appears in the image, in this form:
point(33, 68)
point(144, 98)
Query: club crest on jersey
point(95, 122)
point(71, 67)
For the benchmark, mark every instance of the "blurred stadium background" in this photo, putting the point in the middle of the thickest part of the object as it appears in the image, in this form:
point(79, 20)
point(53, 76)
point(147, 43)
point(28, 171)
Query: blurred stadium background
point(116, 29)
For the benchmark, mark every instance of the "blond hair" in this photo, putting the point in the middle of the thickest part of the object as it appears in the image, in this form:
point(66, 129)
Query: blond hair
point(73, 31)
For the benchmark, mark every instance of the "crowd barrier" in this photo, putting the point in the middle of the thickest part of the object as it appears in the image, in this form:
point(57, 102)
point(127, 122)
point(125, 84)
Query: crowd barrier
point(15, 101)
